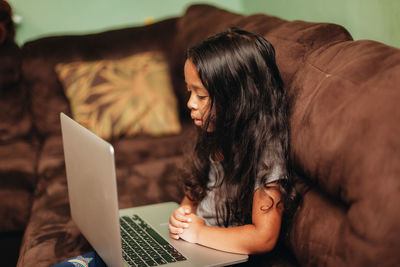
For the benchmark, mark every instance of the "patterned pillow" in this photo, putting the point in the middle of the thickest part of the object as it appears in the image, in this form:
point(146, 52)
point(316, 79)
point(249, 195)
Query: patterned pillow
point(122, 97)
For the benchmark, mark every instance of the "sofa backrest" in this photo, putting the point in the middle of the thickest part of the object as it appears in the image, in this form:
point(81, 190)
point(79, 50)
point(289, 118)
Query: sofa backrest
point(292, 40)
point(344, 133)
point(41, 56)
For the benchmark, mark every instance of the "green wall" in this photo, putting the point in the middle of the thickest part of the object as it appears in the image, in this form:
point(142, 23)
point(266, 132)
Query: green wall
point(365, 19)
point(49, 17)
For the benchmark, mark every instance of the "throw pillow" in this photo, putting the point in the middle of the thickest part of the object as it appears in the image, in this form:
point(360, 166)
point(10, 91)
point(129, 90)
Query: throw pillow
point(122, 97)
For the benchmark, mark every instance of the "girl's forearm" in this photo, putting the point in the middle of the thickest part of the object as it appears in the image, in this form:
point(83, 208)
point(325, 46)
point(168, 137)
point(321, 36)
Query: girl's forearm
point(246, 239)
point(258, 237)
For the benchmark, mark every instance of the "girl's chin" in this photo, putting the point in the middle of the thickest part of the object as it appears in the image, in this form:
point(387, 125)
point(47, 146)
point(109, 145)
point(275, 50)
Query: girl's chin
point(198, 122)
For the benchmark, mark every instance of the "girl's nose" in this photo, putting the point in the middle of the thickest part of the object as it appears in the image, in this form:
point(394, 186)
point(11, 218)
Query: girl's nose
point(191, 104)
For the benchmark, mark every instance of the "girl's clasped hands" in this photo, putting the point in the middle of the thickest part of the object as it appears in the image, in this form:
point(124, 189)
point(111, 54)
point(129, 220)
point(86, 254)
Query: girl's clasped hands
point(185, 224)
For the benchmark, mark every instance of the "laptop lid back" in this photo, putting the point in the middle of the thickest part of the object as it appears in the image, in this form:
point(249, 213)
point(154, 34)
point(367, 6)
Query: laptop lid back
point(92, 189)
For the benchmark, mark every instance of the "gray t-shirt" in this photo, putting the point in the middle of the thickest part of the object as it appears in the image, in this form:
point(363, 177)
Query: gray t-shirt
point(270, 170)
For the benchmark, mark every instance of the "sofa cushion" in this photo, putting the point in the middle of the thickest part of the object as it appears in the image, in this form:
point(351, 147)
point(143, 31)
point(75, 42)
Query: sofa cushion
point(125, 97)
point(294, 40)
point(41, 56)
point(128, 150)
point(51, 235)
point(345, 139)
point(17, 183)
point(148, 171)
point(193, 26)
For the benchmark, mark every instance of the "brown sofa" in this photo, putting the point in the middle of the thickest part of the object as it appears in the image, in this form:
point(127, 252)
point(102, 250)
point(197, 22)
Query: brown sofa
point(345, 143)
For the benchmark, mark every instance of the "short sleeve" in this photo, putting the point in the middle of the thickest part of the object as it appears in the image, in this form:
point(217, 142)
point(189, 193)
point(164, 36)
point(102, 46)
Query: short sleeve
point(272, 167)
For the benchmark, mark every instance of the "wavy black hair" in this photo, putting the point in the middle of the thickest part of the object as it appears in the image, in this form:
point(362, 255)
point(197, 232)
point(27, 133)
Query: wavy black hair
point(250, 112)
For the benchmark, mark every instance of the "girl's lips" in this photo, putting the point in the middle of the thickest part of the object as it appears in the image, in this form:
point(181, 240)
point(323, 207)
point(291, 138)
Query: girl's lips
point(198, 122)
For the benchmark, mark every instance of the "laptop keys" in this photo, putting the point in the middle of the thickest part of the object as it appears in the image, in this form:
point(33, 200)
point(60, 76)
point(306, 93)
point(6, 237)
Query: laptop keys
point(143, 246)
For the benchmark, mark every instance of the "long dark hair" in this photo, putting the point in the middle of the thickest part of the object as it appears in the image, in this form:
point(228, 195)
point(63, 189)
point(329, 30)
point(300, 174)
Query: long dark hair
point(250, 112)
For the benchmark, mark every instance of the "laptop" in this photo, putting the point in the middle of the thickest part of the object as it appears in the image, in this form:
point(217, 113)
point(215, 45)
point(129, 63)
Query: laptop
point(135, 236)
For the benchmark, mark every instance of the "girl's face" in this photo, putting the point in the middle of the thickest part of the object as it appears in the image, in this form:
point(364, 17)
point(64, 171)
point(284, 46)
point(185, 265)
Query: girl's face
point(199, 102)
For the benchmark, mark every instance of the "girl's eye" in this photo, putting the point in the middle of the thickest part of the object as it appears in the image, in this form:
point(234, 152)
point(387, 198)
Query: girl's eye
point(201, 97)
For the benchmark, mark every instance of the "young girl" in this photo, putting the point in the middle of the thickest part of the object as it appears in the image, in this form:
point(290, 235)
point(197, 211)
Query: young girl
point(239, 180)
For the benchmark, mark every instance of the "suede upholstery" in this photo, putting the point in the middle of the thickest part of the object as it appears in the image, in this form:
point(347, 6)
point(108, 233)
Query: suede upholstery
point(18, 149)
point(345, 143)
point(345, 138)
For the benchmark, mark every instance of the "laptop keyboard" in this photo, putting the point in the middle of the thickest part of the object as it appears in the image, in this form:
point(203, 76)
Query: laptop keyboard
point(142, 246)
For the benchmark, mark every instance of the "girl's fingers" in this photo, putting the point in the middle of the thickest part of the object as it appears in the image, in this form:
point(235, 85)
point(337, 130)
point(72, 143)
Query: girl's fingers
point(181, 214)
point(174, 236)
point(178, 223)
point(186, 210)
point(174, 231)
